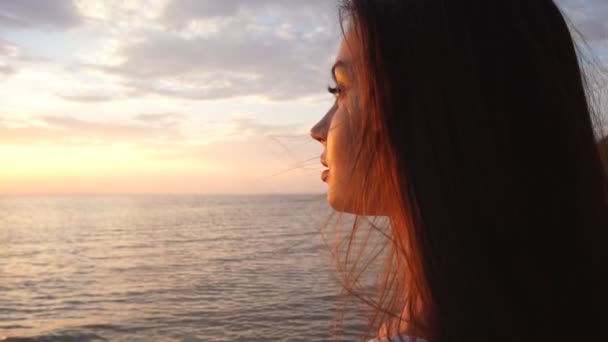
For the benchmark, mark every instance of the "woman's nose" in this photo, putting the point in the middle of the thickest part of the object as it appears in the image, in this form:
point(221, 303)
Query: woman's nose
point(320, 130)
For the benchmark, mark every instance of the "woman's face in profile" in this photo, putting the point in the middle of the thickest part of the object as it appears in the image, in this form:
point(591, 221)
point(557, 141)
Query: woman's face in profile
point(338, 131)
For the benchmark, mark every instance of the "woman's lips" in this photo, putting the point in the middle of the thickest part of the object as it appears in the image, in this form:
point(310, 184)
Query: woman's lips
point(324, 175)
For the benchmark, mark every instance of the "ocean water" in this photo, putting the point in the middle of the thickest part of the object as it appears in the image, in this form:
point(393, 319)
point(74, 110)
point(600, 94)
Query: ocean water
point(167, 268)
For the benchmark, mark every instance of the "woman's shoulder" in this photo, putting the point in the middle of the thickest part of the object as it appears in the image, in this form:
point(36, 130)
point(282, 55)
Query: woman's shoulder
point(400, 338)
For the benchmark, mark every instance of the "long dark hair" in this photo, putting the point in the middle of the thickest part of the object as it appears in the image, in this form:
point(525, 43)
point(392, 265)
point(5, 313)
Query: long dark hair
point(499, 210)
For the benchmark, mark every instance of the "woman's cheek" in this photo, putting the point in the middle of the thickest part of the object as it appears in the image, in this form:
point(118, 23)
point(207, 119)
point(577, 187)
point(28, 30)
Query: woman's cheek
point(340, 150)
point(335, 158)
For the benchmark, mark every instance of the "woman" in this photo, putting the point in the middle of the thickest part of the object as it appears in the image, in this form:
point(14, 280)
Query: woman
point(467, 124)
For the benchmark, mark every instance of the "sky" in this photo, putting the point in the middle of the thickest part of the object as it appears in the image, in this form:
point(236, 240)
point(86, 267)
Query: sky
point(175, 96)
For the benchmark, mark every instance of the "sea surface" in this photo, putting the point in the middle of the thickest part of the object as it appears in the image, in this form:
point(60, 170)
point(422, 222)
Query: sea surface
point(167, 268)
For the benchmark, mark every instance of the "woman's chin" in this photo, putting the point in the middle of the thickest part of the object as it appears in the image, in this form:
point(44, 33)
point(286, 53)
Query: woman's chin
point(341, 204)
point(334, 201)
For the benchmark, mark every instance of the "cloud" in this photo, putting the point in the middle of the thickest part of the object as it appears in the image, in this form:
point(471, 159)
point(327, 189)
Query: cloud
point(8, 49)
point(159, 118)
point(252, 127)
point(7, 70)
point(84, 97)
point(219, 68)
point(108, 130)
point(39, 14)
point(265, 150)
point(9, 53)
point(50, 129)
point(13, 57)
point(588, 16)
point(220, 49)
point(180, 11)
point(154, 131)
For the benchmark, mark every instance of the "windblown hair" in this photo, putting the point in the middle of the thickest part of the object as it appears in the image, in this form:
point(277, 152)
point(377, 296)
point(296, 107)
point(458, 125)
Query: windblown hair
point(479, 116)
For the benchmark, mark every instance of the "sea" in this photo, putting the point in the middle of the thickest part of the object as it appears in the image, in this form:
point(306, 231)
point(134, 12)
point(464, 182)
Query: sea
point(168, 268)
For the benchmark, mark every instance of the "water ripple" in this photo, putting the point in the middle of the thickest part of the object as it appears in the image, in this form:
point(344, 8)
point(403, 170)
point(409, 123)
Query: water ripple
point(182, 268)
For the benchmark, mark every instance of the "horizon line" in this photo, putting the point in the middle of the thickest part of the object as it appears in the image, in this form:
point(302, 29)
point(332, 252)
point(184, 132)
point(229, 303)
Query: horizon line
point(158, 193)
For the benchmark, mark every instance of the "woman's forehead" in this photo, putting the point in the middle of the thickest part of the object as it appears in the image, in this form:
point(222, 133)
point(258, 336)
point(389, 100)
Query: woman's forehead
point(343, 65)
point(348, 47)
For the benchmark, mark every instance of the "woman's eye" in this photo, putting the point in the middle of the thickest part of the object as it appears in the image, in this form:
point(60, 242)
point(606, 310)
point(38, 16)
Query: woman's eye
point(337, 91)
